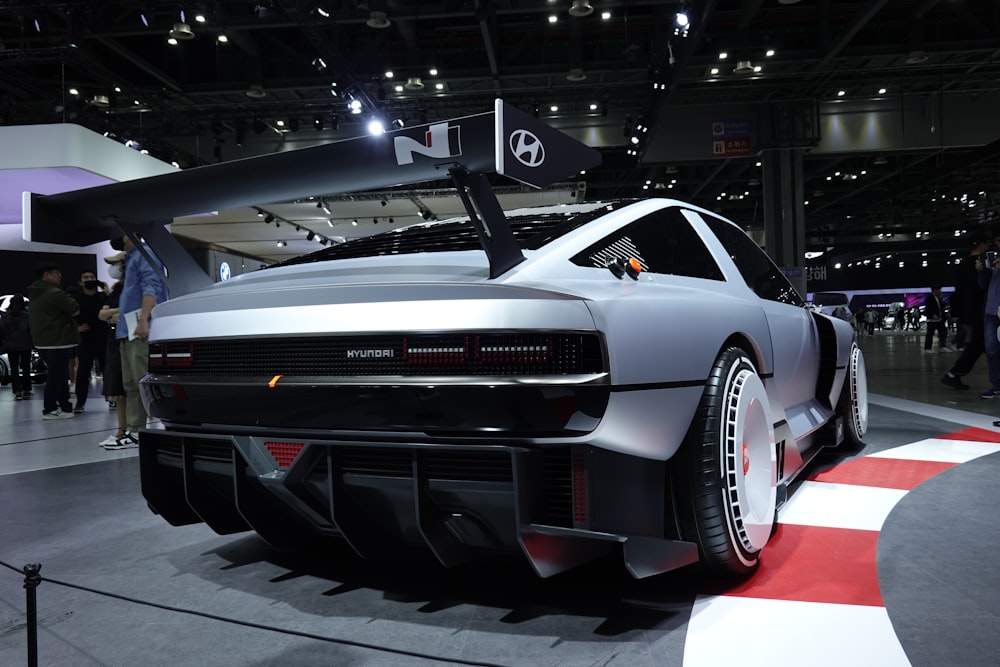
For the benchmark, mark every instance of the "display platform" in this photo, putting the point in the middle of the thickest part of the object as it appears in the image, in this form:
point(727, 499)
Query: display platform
point(884, 558)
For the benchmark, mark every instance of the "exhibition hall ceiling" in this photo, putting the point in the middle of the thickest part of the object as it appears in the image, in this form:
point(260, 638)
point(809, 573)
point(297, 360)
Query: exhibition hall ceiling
point(201, 82)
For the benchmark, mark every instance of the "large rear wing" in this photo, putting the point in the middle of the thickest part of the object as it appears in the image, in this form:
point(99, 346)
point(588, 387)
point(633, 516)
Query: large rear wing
point(506, 141)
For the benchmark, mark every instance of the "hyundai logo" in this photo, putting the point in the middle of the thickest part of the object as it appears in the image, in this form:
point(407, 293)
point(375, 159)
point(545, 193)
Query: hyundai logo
point(527, 148)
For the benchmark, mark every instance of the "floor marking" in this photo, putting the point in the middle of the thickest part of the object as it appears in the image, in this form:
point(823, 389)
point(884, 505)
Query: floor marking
point(741, 631)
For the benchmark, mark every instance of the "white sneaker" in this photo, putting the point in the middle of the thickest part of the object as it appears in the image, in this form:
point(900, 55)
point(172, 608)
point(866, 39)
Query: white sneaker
point(127, 441)
point(928, 351)
point(110, 440)
point(57, 414)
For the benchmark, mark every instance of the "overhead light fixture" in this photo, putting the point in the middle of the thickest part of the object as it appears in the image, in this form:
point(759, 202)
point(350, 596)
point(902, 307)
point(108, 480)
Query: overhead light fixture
point(172, 41)
point(413, 83)
point(354, 223)
point(355, 106)
point(841, 93)
point(581, 8)
point(389, 74)
point(378, 20)
point(323, 12)
point(384, 203)
point(182, 31)
point(310, 236)
point(143, 18)
point(576, 74)
point(375, 127)
point(433, 71)
point(605, 16)
point(222, 39)
point(319, 64)
point(269, 218)
point(553, 18)
point(281, 244)
point(743, 67)
point(199, 18)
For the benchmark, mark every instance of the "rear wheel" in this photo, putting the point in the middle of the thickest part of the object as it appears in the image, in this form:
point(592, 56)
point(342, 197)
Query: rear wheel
point(725, 474)
point(853, 404)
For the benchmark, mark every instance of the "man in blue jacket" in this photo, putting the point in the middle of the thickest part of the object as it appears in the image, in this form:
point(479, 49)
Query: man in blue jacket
point(141, 290)
point(55, 335)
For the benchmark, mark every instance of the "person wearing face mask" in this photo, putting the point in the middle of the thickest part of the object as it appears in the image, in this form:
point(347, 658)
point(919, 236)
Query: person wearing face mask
point(113, 388)
point(93, 334)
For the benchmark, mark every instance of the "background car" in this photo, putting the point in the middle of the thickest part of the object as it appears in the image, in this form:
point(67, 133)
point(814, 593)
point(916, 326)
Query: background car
point(639, 377)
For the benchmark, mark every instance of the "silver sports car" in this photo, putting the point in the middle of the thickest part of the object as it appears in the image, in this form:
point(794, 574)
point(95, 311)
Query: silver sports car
point(645, 377)
point(561, 382)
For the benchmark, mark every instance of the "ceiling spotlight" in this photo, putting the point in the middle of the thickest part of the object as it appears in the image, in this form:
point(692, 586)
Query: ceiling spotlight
point(375, 127)
point(354, 223)
point(222, 39)
point(182, 31)
point(199, 18)
point(681, 20)
point(310, 236)
point(142, 17)
point(384, 203)
point(319, 64)
point(581, 8)
point(281, 244)
point(323, 12)
point(355, 106)
point(269, 218)
point(172, 41)
point(378, 20)
point(841, 93)
point(374, 221)
point(391, 221)
point(318, 121)
point(769, 53)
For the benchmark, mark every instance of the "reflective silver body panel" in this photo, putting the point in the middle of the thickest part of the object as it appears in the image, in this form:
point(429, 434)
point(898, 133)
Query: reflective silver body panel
point(661, 336)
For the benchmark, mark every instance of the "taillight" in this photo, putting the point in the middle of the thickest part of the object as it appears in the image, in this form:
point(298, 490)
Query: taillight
point(284, 452)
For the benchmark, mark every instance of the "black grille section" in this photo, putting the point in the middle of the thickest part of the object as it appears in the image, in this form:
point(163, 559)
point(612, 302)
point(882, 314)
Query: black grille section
point(210, 450)
point(474, 354)
point(376, 462)
point(557, 492)
point(470, 466)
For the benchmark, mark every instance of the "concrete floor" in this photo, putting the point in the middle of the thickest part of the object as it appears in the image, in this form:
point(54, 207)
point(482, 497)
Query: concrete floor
point(928, 558)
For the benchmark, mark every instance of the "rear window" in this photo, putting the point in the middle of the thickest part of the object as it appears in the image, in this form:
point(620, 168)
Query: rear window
point(663, 242)
point(532, 230)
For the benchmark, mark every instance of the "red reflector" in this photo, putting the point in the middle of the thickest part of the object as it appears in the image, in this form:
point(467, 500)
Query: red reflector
point(579, 464)
point(284, 452)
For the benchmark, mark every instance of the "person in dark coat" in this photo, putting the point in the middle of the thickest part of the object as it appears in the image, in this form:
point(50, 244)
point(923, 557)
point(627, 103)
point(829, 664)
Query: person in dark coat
point(93, 334)
point(970, 314)
point(55, 335)
point(15, 331)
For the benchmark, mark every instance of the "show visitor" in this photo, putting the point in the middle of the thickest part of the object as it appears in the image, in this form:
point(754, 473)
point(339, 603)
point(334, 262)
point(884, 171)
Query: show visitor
point(55, 336)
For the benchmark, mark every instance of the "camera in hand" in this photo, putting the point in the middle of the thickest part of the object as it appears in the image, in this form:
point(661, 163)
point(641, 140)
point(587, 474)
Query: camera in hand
point(93, 284)
point(990, 257)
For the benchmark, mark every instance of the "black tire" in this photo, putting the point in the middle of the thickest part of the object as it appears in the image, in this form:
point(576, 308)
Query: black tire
point(728, 510)
point(853, 403)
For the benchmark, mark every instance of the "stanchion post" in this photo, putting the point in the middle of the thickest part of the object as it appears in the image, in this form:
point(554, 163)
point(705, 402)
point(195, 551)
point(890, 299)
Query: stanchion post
point(31, 580)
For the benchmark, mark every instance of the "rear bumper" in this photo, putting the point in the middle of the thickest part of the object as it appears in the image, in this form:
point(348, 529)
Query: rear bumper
point(559, 506)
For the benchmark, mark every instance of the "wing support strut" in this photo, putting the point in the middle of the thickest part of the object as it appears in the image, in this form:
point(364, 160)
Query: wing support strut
point(486, 215)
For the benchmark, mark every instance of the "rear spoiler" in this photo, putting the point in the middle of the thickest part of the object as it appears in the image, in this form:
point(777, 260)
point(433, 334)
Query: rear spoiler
point(506, 141)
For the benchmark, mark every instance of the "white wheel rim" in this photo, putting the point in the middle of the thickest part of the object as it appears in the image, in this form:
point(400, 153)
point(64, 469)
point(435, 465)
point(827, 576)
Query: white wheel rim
point(750, 461)
point(859, 391)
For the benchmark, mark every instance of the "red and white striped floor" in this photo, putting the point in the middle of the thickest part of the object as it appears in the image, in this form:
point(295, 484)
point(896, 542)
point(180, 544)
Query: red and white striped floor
point(816, 595)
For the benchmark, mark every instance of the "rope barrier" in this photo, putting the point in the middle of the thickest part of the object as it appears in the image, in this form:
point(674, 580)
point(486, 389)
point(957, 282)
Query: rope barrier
point(32, 578)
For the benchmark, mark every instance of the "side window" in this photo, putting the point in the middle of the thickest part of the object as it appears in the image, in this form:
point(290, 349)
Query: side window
point(663, 242)
point(757, 269)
